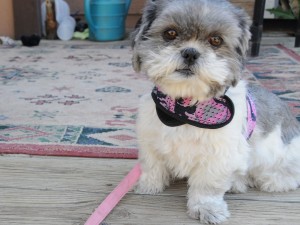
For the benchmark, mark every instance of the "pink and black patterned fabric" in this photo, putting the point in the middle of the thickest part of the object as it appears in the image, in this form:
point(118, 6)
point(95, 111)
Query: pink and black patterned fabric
point(251, 117)
point(212, 114)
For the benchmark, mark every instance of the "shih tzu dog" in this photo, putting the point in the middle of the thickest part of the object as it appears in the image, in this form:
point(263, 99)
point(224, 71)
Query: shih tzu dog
point(202, 121)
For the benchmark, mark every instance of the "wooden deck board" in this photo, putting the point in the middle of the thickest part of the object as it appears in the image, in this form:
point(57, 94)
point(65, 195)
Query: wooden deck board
point(65, 191)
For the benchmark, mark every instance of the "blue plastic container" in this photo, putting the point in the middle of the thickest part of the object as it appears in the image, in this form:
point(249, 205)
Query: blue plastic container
point(106, 19)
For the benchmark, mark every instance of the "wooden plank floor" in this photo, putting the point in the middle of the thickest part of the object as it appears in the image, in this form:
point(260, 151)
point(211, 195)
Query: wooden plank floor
point(65, 190)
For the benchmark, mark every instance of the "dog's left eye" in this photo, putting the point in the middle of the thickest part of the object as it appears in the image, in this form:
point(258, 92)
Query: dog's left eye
point(170, 35)
point(215, 41)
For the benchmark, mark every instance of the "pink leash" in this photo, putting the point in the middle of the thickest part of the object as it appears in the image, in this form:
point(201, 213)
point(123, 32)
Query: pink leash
point(115, 196)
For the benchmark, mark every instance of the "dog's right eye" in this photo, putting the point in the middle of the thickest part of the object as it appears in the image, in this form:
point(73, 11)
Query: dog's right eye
point(215, 41)
point(170, 35)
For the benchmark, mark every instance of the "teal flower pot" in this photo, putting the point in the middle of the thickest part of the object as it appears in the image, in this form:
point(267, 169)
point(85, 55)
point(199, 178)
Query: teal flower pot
point(106, 19)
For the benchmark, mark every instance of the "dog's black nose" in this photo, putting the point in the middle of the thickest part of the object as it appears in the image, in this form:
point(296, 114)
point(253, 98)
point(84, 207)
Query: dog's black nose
point(190, 55)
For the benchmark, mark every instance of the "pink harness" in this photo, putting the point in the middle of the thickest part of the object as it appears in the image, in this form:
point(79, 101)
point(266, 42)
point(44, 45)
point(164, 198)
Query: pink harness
point(251, 116)
point(212, 114)
point(199, 115)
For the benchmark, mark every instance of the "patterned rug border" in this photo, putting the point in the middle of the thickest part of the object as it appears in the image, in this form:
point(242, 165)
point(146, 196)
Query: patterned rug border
point(289, 52)
point(68, 150)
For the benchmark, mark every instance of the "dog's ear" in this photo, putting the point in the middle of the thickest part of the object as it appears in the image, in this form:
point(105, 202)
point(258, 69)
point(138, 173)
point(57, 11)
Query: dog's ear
point(140, 32)
point(242, 45)
point(244, 25)
point(144, 23)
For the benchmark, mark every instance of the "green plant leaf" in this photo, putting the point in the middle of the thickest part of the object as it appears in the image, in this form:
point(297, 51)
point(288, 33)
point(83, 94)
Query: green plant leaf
point(281, 13)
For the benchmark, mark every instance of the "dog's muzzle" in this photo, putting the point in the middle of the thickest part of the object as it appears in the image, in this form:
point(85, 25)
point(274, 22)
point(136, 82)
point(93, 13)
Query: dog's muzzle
point(190, 56)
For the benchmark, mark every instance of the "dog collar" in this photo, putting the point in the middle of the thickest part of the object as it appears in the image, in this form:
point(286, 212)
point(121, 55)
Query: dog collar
point(212, 114)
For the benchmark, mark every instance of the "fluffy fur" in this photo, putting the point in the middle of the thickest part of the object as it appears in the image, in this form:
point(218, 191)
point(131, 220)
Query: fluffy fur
point(214, 160)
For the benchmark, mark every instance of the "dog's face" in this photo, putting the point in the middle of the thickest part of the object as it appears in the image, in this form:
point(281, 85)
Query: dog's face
point(191, 48)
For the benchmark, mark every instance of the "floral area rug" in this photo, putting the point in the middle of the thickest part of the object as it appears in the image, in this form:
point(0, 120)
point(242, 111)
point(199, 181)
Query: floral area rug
point(81, 98)
point(69, 99)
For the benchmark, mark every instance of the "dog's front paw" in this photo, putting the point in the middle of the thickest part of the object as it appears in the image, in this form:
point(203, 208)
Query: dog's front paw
point(149, 185)
point(210, 212)
point(238, 187)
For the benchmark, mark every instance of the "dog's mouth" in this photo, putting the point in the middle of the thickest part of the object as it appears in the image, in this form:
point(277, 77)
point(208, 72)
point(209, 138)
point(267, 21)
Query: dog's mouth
point(185, 71)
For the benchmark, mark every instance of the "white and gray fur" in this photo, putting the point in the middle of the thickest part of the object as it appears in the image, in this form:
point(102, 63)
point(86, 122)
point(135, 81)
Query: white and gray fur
point(197, 23)
point(214, 161)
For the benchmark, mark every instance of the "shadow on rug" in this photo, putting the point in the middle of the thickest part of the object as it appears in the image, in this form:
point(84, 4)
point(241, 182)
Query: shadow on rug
point(81, 100)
